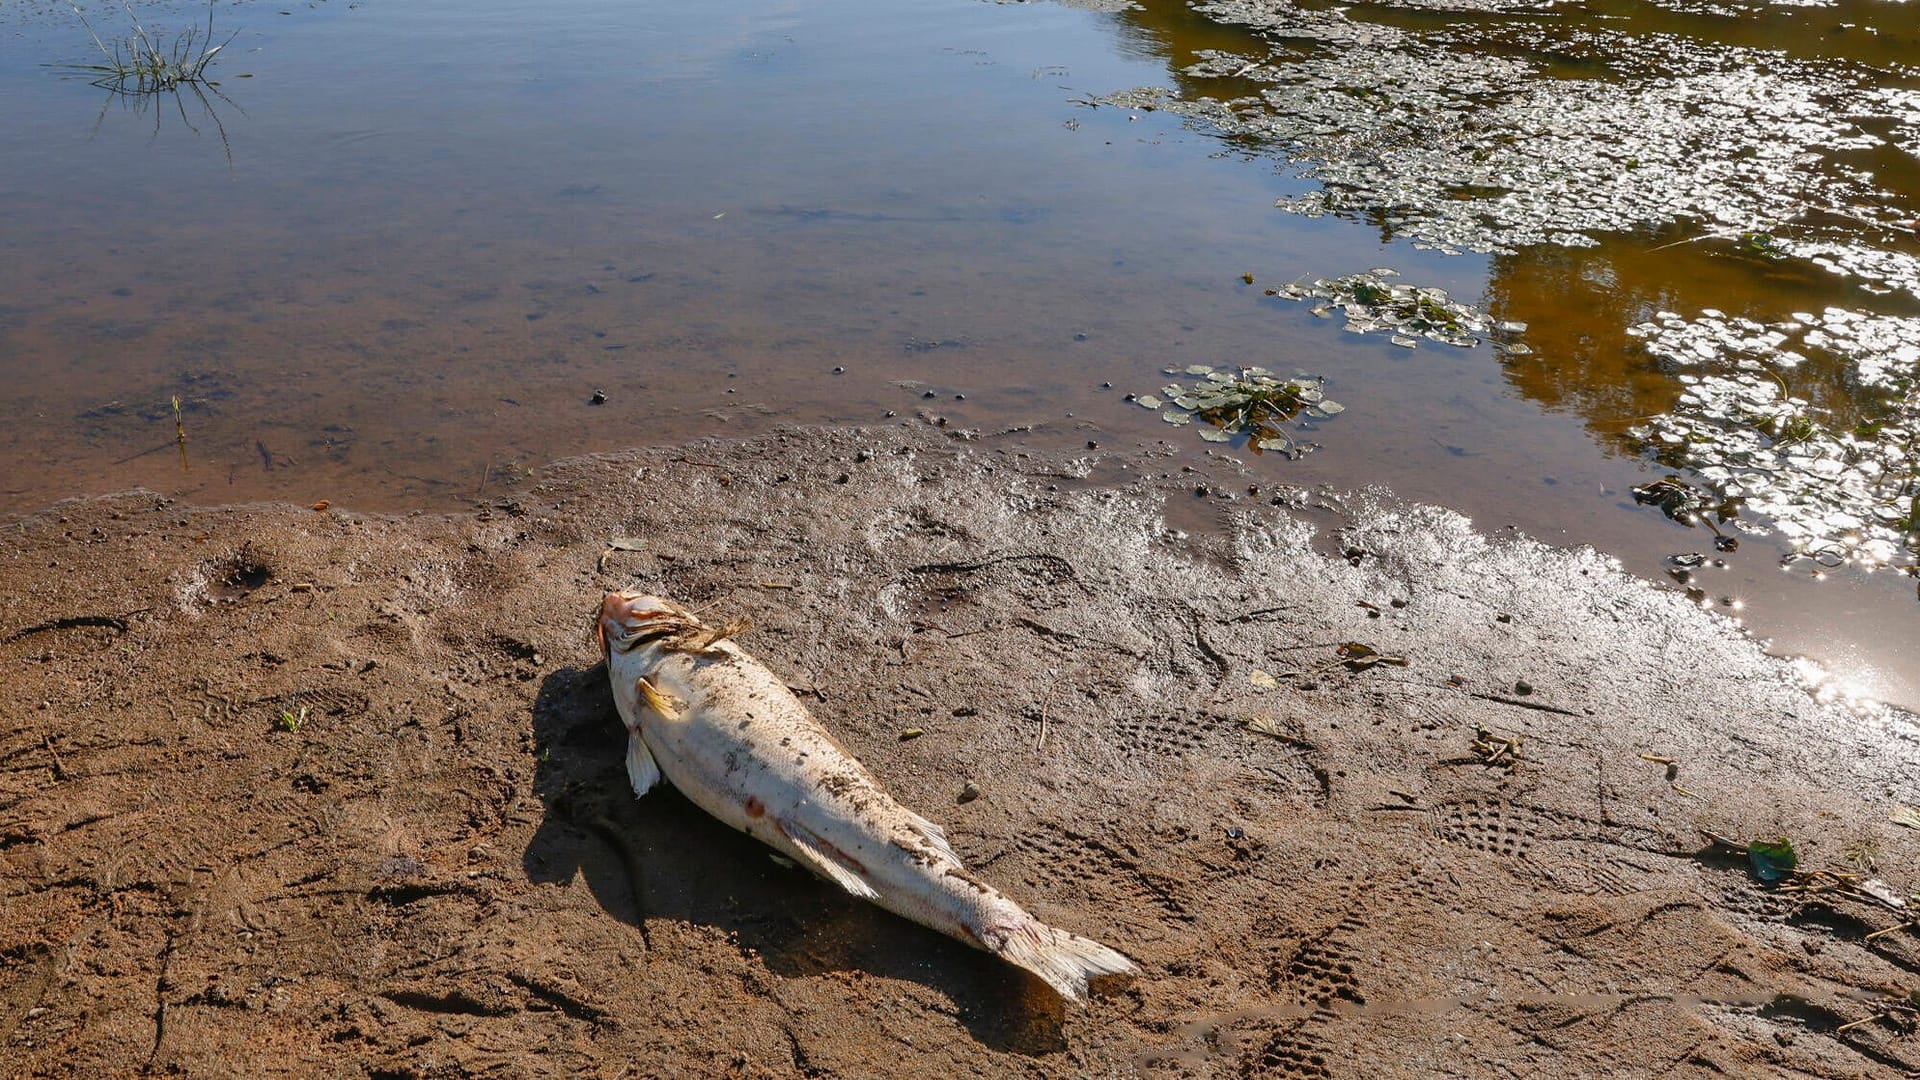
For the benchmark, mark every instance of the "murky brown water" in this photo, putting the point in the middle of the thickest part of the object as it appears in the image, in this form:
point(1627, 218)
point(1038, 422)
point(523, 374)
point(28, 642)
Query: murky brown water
point(435, 229)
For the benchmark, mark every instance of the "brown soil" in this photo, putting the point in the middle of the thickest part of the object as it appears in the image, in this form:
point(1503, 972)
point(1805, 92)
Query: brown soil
point(319, 793)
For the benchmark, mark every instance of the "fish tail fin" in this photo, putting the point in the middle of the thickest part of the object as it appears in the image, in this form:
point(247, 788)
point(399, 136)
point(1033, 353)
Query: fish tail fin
point(1065, 961)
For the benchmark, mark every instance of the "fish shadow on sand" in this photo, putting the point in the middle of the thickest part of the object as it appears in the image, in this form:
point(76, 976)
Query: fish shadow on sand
point(662, 859)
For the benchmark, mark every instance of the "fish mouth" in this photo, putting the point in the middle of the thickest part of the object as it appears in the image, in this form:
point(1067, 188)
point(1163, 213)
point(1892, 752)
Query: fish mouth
point(622, 623)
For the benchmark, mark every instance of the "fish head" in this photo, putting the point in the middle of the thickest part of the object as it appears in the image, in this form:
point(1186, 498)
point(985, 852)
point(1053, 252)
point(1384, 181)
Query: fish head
point(626, 616)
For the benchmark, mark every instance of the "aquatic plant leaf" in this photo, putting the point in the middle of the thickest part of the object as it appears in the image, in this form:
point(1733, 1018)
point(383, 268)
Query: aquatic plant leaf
point(1147, 401)
point(1250, 402)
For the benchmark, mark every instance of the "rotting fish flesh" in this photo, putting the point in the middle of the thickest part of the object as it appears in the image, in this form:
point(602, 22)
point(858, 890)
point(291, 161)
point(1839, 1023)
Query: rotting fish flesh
point(736, 741)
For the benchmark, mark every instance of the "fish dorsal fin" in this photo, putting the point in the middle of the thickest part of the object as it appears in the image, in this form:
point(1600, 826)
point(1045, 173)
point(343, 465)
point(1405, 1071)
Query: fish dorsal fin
point(934, 835)
point(825, 860)
point(642, 771)
point(706, 638)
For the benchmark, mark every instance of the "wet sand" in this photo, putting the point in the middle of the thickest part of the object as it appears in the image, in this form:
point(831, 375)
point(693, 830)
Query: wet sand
point(338, 792)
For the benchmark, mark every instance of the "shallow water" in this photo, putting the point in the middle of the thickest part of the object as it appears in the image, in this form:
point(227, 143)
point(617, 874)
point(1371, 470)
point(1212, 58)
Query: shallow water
point(433, 230)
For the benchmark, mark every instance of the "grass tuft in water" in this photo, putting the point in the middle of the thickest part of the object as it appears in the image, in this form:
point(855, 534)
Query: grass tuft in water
point(149, 62)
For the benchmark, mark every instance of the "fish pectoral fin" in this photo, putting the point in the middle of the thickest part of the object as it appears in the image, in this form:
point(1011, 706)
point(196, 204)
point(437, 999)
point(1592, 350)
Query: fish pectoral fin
point(642, 771)
point(652, 698)
point(826, 860)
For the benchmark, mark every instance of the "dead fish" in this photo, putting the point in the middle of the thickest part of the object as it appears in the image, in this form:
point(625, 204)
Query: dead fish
point(730, 735)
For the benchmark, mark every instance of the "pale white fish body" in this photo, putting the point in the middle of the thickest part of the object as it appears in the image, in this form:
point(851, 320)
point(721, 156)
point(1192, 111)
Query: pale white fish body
point(742, 747)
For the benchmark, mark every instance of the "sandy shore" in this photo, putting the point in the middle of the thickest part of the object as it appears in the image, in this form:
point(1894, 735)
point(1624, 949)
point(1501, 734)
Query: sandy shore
point(286, 792)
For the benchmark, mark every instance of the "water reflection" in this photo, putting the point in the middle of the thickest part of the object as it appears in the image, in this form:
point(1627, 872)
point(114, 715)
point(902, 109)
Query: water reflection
point(178, 106)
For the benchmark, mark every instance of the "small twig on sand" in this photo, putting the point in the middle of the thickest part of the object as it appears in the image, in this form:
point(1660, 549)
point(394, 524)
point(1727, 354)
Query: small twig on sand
point(1045, 704)
point(1537, 706)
